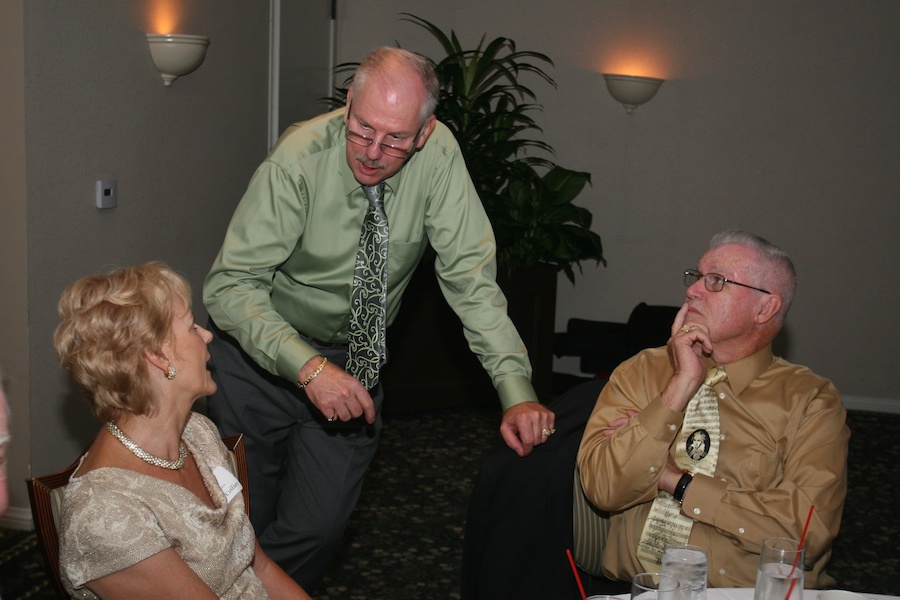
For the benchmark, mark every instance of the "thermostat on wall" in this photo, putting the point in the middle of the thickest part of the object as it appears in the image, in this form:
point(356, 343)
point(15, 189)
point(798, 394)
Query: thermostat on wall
point(106, 192)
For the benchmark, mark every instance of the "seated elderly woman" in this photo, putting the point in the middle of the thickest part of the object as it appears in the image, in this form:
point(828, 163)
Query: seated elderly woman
point(154, 509)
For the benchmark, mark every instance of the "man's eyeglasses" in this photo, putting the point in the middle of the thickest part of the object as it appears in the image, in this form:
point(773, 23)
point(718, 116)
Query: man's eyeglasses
point(395, 151)
point(713, 281)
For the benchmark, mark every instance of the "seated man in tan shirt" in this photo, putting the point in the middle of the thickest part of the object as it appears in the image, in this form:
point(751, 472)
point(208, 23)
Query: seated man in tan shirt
point(774, 455)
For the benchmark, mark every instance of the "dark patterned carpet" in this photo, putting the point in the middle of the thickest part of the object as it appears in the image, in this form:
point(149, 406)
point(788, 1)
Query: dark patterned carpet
point(405, 538)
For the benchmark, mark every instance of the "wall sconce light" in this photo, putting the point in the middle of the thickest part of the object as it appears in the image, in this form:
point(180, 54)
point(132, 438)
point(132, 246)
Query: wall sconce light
point(175, 55)
point(630, 90)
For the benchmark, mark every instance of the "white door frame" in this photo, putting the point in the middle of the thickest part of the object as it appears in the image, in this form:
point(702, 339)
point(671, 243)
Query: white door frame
point(275, 63)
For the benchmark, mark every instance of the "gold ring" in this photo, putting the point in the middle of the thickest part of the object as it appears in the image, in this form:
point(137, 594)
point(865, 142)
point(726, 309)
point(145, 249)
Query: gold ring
point(685, 329)
point(547, 432)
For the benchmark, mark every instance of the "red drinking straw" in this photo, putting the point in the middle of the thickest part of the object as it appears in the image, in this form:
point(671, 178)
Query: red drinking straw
point(575, 572)
point(799, 548)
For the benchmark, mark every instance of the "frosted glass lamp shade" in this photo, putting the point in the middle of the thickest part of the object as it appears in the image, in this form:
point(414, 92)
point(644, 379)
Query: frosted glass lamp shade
point(175, 55)
point(630, 90)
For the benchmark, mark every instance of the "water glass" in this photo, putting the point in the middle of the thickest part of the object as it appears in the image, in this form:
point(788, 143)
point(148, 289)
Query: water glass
point(780, 570)
point(687, 564)
point(654, 586)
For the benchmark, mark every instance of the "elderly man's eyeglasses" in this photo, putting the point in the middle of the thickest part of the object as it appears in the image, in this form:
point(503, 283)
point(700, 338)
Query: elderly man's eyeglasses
point(713, 281)
point(361, 140)
point(395, 151)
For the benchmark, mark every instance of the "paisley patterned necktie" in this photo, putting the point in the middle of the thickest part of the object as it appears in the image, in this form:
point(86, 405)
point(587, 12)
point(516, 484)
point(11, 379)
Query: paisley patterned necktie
point(368, 298)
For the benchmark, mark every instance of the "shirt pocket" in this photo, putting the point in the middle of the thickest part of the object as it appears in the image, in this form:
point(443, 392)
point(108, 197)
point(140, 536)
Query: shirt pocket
point(765, 470)
point(403, 258)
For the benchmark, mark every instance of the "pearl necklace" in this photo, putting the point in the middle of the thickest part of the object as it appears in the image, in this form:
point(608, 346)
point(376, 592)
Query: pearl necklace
point(143, 454)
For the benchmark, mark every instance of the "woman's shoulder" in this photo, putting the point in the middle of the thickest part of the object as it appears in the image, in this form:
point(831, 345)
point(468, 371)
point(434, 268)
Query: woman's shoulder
point(201, 430)
point(110, 520)
point(203, 437)
point(202, 425)
point(103, 491)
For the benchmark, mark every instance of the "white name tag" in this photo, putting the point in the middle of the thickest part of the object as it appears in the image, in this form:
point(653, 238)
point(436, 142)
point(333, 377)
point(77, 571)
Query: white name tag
point(228, 482)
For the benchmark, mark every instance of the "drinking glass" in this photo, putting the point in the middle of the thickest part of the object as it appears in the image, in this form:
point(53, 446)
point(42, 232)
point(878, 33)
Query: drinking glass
point(687, 564)
point(654, 586)
point(780, 570)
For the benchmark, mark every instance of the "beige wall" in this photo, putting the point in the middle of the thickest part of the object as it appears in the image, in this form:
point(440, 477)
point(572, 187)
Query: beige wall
point(95, 108)
point(777, 117)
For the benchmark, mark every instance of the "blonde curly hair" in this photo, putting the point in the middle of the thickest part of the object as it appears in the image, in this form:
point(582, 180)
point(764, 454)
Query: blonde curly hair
point(108, 323)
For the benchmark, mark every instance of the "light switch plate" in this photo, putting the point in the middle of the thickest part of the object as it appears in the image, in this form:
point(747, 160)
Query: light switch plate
point(107, 193)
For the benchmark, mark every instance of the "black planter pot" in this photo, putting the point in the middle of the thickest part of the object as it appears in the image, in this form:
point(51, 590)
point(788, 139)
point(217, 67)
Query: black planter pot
point(430, 363)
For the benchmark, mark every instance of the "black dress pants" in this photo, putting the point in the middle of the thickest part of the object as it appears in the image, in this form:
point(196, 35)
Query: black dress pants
point(305, 473)
point(519, 522)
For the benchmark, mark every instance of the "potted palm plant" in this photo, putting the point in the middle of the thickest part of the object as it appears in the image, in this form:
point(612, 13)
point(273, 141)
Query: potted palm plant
point(526, 195)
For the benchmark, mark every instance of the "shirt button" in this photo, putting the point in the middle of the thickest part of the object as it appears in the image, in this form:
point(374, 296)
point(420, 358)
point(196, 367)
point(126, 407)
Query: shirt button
point(672, 427)
point(721, 436)
point(722, 395)
point(652, 469)
point(696, 511)
point(740, 530)
point(721, 571)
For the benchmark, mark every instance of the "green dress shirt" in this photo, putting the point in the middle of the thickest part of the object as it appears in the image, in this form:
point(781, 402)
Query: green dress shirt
point(286, 264)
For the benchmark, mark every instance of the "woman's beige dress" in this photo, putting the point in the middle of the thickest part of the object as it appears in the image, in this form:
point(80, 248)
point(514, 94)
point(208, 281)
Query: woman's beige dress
point(114, 518)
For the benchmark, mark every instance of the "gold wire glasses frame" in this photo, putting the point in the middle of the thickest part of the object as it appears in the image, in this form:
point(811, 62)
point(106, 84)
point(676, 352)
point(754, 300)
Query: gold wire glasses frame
point(361, 140)
point(713, 281)
point(394, 151)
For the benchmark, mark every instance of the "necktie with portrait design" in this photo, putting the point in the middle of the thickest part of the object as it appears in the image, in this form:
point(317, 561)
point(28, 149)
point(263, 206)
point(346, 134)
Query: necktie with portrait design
point(697, 451)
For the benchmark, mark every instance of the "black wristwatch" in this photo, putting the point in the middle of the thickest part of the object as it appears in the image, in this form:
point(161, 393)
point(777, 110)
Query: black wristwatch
point(681, 486)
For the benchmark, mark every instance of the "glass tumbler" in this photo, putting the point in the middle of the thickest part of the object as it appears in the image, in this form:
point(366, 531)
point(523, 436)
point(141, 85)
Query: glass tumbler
point(687, 564)
point(780, 575)
point(654, 586)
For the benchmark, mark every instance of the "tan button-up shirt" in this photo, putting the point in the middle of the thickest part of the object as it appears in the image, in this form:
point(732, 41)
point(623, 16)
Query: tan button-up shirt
point(783, 448)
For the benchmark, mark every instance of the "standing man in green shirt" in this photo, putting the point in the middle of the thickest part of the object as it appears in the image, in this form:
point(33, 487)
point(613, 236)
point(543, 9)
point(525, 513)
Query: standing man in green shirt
point(279, 300)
